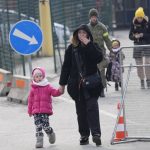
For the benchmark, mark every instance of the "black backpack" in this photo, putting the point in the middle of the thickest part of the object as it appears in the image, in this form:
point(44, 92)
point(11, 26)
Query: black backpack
point(108, 72)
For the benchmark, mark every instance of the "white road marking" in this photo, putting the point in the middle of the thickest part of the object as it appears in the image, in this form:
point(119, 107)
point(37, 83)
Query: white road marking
point(101, 111)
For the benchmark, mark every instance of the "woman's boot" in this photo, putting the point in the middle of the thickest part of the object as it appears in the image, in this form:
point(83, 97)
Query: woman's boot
point(116, 86)
point(142, 84)
point(148, 83)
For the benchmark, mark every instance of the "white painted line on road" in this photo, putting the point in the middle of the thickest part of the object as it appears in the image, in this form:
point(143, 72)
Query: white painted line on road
point(101, 111)
point(108, 114)
point(66, 99)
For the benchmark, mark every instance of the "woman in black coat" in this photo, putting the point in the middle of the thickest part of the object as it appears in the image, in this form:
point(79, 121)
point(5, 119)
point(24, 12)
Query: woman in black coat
point(86, 101)
point(140, 34)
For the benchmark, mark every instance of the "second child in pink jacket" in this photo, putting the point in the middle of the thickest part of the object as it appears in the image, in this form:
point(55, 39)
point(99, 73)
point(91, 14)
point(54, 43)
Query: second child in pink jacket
point(40, 105)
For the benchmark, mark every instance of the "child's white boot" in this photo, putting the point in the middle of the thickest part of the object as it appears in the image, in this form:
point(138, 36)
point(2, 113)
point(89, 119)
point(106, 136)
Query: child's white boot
point(39, 142)
point(52, 137)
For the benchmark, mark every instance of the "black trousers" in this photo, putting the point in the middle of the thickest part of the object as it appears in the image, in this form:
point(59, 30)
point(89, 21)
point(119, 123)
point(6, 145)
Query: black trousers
point(88, 116)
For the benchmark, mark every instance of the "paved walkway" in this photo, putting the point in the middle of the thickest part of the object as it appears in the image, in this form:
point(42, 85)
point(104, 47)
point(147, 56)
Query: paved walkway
point(17, 128)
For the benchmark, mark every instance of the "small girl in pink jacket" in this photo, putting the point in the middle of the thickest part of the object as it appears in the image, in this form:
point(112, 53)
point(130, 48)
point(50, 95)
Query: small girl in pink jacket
point(40, 105)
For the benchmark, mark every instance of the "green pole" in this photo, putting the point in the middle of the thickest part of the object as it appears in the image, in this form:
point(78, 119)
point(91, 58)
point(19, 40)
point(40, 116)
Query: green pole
point(22, 57)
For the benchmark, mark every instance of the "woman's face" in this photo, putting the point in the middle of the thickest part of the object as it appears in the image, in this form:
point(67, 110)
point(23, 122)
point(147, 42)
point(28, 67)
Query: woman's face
point(82, 34)
point(139, 19)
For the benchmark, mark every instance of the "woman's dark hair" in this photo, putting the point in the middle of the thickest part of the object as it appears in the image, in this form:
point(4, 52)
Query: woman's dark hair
point(75, 39)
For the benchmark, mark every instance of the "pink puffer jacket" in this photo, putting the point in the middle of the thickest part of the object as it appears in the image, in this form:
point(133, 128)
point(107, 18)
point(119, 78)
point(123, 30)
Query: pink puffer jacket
point(40, 101)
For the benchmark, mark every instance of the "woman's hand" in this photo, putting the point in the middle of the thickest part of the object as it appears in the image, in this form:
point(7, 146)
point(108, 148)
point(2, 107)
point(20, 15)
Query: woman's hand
point(141, 34)
point(137, 36)
point(84, 40)
point(62, 89)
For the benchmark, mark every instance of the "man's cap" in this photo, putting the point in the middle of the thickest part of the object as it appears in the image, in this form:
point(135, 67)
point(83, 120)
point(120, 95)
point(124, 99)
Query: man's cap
point(93, 12)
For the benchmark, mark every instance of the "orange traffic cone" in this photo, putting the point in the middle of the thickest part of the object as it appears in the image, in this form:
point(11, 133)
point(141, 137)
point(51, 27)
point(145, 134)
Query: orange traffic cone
point(120, 131)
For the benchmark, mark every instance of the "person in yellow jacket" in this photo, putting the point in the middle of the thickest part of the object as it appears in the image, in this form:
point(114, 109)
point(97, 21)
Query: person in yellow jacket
point(101, 37)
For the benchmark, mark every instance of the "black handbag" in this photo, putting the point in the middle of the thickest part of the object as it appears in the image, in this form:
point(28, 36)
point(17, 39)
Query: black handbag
point(90, 81)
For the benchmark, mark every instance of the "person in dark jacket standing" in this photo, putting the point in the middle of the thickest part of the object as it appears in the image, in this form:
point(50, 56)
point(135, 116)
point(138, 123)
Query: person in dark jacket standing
point(86, 107)
point(140, 34)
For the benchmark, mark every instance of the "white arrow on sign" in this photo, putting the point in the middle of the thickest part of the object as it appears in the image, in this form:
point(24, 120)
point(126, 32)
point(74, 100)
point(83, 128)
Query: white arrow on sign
point(22, 35)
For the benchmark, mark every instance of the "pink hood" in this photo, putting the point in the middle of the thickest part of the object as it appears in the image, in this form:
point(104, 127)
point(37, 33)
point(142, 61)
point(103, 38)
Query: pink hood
point(41, 69)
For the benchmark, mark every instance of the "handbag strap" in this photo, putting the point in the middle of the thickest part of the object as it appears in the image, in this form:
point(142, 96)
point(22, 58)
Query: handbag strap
point(77, 61)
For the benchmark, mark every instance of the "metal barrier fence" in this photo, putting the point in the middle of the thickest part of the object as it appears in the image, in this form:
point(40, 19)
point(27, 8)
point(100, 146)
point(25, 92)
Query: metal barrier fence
point(11, 11)
point(66, 16)
point(125, 9)
point(133, 117)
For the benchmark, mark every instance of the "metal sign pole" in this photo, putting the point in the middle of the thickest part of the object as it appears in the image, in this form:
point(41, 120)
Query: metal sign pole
point(30, 65)
point(26, 38)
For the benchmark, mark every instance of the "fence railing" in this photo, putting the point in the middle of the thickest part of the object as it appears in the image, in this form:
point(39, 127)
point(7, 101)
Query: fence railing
point(135, 90)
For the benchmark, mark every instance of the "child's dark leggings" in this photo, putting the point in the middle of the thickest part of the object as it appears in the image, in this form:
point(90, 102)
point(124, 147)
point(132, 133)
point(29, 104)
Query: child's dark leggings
point(42, 122)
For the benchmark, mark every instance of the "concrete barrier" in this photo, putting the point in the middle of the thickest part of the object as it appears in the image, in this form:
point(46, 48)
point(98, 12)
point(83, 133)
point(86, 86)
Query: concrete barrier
point(5, 82)
point(19, 89)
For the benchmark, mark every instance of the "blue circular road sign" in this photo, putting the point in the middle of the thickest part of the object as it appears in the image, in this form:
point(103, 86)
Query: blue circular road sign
point(26, 37)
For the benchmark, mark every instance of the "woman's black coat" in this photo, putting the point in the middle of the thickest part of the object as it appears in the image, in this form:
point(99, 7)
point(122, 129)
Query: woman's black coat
point(143, 27)
point(91, 56)
point(136, 28)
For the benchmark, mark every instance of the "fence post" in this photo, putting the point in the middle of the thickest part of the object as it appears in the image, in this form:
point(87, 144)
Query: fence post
point(45, 23)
